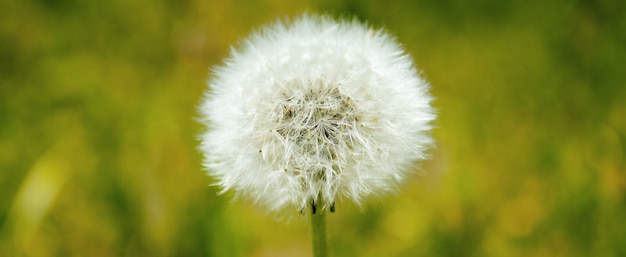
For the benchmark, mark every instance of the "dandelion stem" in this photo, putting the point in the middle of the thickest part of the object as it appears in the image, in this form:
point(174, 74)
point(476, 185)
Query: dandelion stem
point(318, 227)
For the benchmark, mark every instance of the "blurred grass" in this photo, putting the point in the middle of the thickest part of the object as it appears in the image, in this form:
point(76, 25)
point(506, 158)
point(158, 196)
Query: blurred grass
point(97, 133)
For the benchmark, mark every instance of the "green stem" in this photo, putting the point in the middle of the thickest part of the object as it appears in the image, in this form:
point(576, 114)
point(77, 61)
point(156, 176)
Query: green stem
point(318, 227)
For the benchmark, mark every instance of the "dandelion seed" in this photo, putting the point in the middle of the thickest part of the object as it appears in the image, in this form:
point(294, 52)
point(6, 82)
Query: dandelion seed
point(315, 110)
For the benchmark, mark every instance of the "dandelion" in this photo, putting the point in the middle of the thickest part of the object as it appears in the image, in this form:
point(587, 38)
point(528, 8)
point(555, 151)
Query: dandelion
point(313, 111)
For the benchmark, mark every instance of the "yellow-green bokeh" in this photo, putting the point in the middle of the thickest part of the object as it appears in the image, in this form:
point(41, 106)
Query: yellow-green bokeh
point(98, 141)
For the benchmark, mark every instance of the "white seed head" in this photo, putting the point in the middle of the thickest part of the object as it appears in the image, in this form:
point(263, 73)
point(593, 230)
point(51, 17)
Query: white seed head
point(314, 108)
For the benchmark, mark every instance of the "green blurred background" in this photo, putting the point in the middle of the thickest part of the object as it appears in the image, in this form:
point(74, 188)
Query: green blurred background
point(98, 139)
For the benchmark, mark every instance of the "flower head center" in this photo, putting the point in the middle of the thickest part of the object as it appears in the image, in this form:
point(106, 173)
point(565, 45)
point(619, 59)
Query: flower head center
point(316, 125)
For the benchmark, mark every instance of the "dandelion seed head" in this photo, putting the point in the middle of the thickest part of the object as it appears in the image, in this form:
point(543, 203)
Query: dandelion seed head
point(314, 108)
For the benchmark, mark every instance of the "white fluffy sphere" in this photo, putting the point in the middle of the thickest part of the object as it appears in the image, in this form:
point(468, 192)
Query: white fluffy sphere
point(315, 109)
